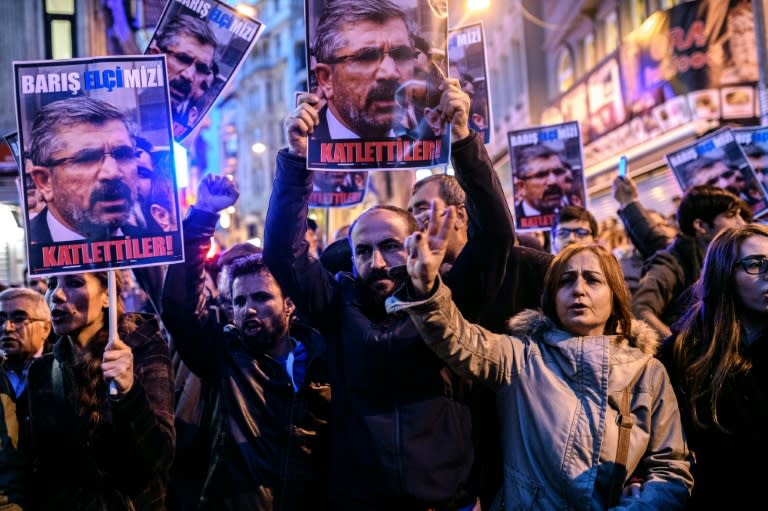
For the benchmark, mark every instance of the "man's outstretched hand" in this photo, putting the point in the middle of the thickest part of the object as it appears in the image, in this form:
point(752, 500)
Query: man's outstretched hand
point(215, 193)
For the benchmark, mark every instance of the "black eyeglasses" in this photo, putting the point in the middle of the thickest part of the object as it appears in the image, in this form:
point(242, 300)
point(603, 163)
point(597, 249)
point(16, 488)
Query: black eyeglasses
point(17, 318)
point(753, 265)
point(368, 57)
point(183, 61)
point(544, 173)
point(89, 158)
point(580, 232)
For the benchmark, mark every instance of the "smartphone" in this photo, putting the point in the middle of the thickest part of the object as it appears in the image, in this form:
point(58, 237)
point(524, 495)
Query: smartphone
point(623, 166)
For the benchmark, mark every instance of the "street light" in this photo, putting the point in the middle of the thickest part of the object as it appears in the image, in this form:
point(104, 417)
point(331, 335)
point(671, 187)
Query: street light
point(258, 148)
point(477, 5)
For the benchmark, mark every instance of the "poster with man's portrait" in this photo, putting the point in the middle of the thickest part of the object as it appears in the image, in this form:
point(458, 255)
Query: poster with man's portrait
point(338, 189)
point(99, 193)
point(205, 42)
point(547, 173)
point(467, 63)
point(717, 159)
point(377, 66)
point(754, 141)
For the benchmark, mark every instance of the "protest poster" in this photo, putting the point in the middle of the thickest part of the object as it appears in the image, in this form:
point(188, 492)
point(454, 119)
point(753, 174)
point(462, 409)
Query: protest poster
point(717, 159)
point(468, 63)
point(12, 140)
point(379, 91)
point(754, 141)
point(206, 42)
point(547, 173)
point(109, 191)
point(336, 188)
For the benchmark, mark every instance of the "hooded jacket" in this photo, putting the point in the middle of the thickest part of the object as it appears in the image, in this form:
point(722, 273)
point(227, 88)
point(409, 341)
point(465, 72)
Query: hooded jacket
point(558, 399)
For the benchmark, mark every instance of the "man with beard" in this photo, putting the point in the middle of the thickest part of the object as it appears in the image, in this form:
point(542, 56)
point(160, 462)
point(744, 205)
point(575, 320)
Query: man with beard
point(545, 181)
point(364, 52)
point(84, 162)
point(267, 374)
point(190, 47)
point(401, 435)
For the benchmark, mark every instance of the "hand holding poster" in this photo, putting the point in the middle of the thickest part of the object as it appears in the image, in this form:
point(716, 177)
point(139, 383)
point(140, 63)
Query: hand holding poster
point(205, 42)
point(717, 159)
point(109, 192)
point(379, 93)
point(467, 63)
point(547, 173)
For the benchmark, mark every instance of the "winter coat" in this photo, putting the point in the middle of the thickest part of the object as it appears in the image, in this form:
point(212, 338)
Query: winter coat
point(121, 463)
point(11, 462)
point(558, 399)
point(667, 276)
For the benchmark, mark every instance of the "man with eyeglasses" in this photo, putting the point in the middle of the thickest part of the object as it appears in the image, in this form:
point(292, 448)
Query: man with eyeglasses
point(573, 224)
point(545, 181)
point(25, 324)
point(364, 52)
point(190, 47)
point(84, 161)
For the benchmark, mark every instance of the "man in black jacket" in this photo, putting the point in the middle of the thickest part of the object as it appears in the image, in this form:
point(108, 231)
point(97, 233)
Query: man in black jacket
point(401, 426)
point(268, 375)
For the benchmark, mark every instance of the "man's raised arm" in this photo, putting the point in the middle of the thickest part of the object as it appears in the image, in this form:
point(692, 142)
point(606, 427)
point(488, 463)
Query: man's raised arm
point(184, 301)
point(285, 249)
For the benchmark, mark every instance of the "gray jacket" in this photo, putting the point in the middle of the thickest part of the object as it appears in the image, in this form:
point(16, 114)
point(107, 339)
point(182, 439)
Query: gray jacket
point(558, 400)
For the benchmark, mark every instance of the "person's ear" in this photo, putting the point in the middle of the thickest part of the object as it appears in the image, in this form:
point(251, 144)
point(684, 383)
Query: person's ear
point(324, 73)
point(153, 48)
point(701, 227)
point(461, 217)
point(162, 216)
point(46, 326)
point(290, 307)
point(42, 178)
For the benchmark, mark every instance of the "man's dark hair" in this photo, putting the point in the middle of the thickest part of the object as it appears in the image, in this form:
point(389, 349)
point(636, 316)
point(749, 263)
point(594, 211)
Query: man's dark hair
point(311, 224)
point(247, 265)
point(448, 188)
point(237, 251)
point(575, 213)
point(535, 152)
point(58, 116)
point(705, 202)
point(327, 41)
point(187, 25)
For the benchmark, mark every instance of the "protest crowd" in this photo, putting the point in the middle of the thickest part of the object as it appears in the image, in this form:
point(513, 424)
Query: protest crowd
point(435, 357)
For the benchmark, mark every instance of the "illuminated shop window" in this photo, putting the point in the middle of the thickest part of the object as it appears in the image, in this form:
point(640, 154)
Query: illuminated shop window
point(564, 70)
point(610, 33)
point(60, 29)
point(589, 52)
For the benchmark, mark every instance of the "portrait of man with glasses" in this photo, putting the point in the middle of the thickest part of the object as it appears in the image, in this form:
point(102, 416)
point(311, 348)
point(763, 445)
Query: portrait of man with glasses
point(363, 52)
point(544, 182)
point(190, 47)
point(83, 160)
point(735, 176)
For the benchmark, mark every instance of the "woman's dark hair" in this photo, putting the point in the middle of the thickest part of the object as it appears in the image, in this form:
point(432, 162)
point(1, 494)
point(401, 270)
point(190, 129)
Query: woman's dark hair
point(620, 320)
point(87, 370)
point(707, 350)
